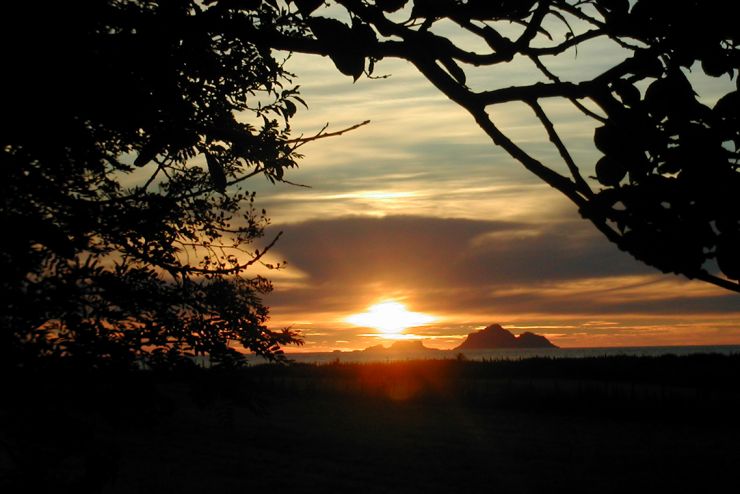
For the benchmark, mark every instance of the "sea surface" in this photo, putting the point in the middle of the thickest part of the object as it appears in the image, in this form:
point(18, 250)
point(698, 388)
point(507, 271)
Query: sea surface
point(508, 354)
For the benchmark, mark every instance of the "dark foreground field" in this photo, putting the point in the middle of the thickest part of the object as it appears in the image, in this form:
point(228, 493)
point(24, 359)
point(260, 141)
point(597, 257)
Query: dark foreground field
point(617, 424)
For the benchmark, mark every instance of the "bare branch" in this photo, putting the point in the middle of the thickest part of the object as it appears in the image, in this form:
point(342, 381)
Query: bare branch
point(565, 45)
point(503, 47)
point(533, 25)
point(535, 91)
point(555, 139)
point(538, 63)
point(321, 134)
point(224, 271)
point(720, 282)
point(470, 102)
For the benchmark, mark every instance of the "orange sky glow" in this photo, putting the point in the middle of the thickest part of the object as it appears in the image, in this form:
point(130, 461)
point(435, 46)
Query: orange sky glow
point(419, 209)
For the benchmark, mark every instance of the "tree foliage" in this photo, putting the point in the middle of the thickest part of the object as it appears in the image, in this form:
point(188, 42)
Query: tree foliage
point(667, 186)
point(127, 231)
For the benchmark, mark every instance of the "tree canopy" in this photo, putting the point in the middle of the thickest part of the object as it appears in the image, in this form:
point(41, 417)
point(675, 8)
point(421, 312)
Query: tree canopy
point(666, 188)
point(128, 130)
point(130, 126)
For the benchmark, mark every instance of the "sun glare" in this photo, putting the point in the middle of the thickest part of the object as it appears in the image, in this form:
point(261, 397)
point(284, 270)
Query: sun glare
point(389, 318)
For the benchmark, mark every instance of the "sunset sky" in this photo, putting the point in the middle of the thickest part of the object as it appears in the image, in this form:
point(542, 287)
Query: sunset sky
point(420, 208)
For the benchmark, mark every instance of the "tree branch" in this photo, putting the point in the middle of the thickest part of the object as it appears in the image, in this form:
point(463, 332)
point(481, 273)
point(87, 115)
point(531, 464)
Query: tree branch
point(565, 45)
point(321, 135)
point(223, 271)
point(547, 73)
point(533, 25)
point(555, 139)
point(469, 101)
point(720, 282)
point(535, 91)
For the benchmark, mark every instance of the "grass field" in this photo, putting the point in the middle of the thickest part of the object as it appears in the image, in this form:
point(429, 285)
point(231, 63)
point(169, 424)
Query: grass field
point(595, 425)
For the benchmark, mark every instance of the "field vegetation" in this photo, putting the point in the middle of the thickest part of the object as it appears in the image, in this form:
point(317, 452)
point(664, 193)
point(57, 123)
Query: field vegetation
point(595, 424)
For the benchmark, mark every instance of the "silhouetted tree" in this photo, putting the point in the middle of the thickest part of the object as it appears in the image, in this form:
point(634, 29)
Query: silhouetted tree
point(126, 236)
point(126, 231)
point(667, 188)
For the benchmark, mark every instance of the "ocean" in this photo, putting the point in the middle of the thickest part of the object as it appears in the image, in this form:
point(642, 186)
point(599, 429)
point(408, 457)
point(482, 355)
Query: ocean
point(507, 354)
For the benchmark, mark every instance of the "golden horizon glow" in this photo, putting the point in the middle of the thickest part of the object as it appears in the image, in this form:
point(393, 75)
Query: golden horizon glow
point(390, 318)
point(471, 218)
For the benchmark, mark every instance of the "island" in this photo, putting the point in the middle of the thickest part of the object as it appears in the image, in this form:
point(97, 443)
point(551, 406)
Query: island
point(491, 338)
point(405, 346)
point(494, 337)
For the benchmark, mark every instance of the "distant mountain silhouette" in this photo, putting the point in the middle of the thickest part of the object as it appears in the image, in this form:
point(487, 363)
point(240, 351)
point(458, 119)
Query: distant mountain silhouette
point(494, 336)
point(401, 346)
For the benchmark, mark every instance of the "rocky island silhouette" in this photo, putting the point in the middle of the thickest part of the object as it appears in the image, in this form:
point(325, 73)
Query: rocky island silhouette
point(490, 338)
point(401, 346)
point(495, 336)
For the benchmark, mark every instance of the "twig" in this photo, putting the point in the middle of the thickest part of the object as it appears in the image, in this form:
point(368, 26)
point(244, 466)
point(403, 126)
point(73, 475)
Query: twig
point(236, 269)
point(321, 135)
point(557, 141)
point(541, 66)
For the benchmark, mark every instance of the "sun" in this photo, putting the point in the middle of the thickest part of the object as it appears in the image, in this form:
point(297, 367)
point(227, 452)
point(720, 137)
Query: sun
point(389, 318)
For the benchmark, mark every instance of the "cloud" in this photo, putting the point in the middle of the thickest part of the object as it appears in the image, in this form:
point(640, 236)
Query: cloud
point(471, 268)
point(421, 207)
point(421, 144)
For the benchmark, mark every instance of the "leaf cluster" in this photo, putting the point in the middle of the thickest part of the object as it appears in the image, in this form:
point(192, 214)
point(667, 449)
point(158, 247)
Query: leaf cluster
point(670, 175)
point(129, 127)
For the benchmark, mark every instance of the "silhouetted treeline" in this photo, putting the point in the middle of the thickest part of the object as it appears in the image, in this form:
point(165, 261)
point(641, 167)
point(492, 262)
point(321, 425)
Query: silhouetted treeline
point(667, 387)
point(147, 431)
point(699, 375)
point(687, 370)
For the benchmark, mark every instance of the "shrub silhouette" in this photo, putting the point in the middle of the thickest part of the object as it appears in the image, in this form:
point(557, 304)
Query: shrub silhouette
point(128, 231)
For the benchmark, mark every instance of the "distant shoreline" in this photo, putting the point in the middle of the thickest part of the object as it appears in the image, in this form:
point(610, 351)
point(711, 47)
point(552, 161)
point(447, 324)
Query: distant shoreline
point(511, 353)
point(428, 425)
point(731, 345)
